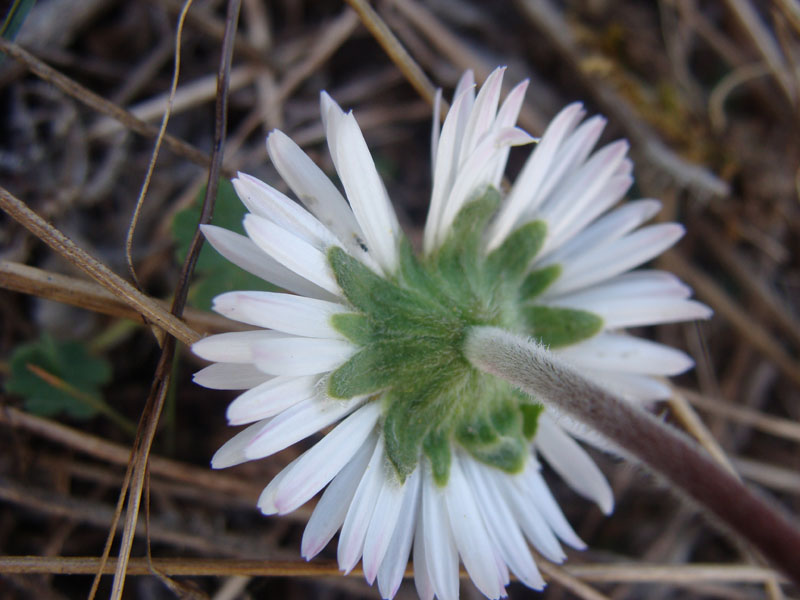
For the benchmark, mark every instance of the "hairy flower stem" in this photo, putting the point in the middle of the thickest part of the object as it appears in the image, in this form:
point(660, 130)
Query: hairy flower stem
point(663, 449)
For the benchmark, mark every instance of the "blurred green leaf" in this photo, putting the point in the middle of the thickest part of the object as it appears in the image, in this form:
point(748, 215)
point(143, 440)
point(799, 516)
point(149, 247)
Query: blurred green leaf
point(213, 273)
point(56, 377)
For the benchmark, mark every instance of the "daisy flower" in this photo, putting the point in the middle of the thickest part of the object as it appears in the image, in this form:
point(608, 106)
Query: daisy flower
point(425, 454)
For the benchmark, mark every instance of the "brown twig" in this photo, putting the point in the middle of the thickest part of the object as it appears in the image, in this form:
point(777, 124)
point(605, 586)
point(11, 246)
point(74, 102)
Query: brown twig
point(602, 573)
point(158, 391)
point(90, 296)
point(99, 104)
point(69, 250)
point(399, 55)
point(742, 321)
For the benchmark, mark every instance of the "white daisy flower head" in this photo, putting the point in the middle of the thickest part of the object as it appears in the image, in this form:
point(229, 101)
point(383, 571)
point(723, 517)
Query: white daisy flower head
point(426, 455)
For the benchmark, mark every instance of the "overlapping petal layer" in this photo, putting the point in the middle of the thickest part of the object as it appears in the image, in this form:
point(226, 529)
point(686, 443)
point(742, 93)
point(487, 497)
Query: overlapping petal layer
point(580, 264)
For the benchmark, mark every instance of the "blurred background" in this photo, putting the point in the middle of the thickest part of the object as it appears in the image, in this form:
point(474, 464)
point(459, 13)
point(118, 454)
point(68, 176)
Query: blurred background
point(707, 93)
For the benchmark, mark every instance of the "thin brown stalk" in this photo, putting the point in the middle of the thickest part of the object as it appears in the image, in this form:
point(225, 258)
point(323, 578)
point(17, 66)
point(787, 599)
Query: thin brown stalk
point(99, 104)
point(162, 130)
point(110, 452)
point(693, 424)
point(742, 321)
point(753, 285)
point(90, 296)
point(461, 54)
point(399, 55)
point(70, 251)
point(158, 392)
point(776, 426)
point(551, 23)
point(332, 38)
point(630, 572)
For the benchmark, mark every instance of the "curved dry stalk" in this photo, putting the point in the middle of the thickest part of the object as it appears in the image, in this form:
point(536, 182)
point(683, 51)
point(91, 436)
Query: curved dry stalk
point(162, 130)
point(90, 296)
point(158, 391)
point(98, 103)
point(69, 250)
point(399, 55)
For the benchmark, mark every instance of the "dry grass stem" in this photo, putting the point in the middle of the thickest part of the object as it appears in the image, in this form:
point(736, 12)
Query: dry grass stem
point(70, 251)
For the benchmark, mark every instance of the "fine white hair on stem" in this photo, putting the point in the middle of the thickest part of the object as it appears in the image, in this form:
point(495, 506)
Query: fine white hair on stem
point(671, 454)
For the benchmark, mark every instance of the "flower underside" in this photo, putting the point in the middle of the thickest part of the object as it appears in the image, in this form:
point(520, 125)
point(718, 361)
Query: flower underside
point(410, 329)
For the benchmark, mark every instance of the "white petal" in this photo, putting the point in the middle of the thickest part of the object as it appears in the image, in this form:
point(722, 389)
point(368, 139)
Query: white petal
point(271, 398)
point(298, 422)
point(633, 285)
point(524, 195)
point(231, 347)
point(229, 376)
point(476, 173)
point(634, 312)
point(316, 191)
point(309, 473)
point(445, 170)
point(606, 229)
point(627, 354)
point(422, 576)
point(300, 355)
point(483, 113)
point(359, 515)
point(244, 253)
point(573, 153)
point(541, 497)
point(267, 202)
point(232, 452)
point(440, 549)
point(537, 529)
point(393, 567)
point(331, 112)
point(502, 524)
point(331, 509)
point(292, 252)
point(382, 525)
point(469, 532)
point(297, 315)
point(436, 126)
point(579, 190)
point(592, 206)
point(507, 117)
point(617, 257)
point(572, 463)
point(367, 194)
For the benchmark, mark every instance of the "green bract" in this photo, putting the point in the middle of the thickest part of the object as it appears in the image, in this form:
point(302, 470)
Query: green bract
point(411, 328)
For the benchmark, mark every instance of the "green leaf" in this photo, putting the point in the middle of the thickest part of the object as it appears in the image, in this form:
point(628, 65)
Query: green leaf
point(510, 261)
point(495, 436)
point(538, 281)
point(354, 326)
point(436, 446)
point(80, 374)
point(405, 425)
point(456, 262)
point(214, 274)
point(555, 327)
point(530, 419)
